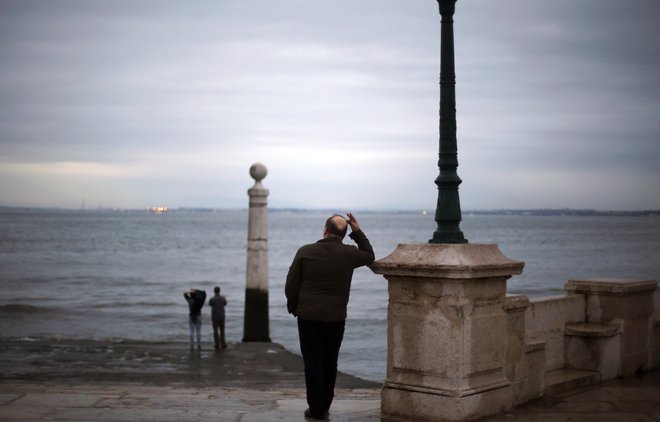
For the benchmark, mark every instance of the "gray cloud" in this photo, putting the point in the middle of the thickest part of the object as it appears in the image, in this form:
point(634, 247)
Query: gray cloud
point(128, 103)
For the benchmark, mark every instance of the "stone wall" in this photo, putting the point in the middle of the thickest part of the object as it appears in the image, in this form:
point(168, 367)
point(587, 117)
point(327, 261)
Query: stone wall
point(546, 319)
point(610, 326)
point(622, 308)
point(600, 329)
point(460, 348)
point(605, 328)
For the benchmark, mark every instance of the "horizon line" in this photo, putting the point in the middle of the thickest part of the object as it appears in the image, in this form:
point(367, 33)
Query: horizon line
point(299, 209)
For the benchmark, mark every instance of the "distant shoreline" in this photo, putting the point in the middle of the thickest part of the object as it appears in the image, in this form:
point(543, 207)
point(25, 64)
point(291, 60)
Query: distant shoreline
point(561, 212)
point(506, 212)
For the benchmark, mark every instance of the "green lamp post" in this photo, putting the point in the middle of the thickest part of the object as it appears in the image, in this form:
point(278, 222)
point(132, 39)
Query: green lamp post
point(448, 209)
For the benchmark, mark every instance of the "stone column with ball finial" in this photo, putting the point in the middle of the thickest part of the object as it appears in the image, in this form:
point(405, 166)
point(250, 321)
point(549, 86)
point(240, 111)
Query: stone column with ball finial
point(255, 320)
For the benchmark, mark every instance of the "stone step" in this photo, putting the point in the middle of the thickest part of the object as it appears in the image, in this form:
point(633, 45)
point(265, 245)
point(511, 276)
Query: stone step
point(566, 379)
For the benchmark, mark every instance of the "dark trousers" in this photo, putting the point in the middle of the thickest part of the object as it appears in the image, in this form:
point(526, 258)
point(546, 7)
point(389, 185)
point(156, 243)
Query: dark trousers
point(319, 345)
point(219, 324)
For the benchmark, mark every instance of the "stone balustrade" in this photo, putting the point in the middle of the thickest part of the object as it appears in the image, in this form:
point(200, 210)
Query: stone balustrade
point(460, 348)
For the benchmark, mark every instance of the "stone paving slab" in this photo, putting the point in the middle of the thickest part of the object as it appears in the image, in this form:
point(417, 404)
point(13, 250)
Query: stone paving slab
point(624, 399)
point(30, 402)
point(246, 383)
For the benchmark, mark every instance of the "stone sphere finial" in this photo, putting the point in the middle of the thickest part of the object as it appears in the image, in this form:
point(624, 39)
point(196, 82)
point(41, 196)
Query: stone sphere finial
point(258, 172)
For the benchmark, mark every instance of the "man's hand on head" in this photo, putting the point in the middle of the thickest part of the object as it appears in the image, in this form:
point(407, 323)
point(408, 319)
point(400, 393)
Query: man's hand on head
point(352, 221)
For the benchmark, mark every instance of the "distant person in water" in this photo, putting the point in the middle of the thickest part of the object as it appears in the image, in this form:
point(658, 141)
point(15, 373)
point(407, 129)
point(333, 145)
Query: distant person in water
point(195, 299)
point(217, 304)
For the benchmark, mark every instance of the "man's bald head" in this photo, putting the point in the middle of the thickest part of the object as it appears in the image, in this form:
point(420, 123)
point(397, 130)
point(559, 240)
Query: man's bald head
point(336, 226)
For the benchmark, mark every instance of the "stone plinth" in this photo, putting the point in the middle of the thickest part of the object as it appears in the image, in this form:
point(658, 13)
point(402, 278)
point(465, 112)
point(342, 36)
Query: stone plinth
point(628, 304)
point(447, 331)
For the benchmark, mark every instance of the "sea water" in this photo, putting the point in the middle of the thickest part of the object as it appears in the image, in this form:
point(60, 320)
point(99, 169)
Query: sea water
point(120, 276)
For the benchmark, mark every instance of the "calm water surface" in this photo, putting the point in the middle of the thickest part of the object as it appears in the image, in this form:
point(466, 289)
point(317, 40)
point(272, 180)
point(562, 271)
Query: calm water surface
point(113, 276)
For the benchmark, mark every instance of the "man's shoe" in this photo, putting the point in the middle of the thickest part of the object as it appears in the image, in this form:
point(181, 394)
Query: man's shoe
point(308, 415)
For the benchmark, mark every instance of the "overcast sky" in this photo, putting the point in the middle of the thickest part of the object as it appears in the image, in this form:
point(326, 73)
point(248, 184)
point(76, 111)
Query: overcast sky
point(139, 103)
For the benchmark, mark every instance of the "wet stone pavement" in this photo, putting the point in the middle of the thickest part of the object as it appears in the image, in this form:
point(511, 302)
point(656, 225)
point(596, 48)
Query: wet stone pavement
point(87, 381)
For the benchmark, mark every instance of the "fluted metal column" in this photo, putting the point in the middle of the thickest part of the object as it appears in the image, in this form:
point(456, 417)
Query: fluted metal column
point(448, 209)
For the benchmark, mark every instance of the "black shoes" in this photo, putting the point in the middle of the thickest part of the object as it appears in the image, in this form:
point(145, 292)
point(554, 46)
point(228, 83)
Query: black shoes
point(309, 415)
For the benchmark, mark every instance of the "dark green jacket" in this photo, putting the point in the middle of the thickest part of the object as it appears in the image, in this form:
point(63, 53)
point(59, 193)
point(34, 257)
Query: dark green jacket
point(319, 280)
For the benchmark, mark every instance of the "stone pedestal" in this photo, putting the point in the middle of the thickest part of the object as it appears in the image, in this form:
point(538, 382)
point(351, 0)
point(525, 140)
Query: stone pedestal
point(628, 304)
point(447, 331)
point(256, 320)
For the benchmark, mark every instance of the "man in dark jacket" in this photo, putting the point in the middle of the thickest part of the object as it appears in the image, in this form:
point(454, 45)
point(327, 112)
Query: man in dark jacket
point(217, 304)
point(195, 299)
point(317, 290)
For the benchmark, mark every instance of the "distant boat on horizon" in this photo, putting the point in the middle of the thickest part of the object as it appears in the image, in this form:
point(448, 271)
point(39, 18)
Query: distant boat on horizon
point(158, 210)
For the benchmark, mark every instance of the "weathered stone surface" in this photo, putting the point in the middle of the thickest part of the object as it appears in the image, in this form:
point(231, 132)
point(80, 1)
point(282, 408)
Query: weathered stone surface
point(633, 399)
point(256, 324)
point(420, 406)
point(628, 303)
point(447, 331)
point(463, 261)
point(610, 298)
point(629, 399)
point(586, 329)
point(546, 319)
point(136, 403)
point(525, 363)
point(594, 347)
point(567, 379)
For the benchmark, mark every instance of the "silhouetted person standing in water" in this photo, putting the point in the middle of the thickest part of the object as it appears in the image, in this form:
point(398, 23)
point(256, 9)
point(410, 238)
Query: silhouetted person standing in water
point(217, 304)
point(317, 289)
point(195, 299)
